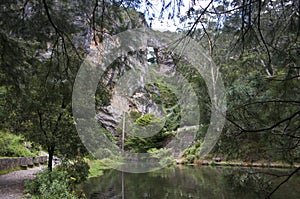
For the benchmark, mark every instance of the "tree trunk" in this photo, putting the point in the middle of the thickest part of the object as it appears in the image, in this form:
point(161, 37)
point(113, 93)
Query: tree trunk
point(50, 157)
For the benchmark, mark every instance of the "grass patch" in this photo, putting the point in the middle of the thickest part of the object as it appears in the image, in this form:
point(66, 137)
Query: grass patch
point(6, 171)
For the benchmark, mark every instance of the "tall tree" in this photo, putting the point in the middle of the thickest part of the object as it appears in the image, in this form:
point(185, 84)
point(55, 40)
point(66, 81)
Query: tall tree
point(39, 61)
point(42, 44)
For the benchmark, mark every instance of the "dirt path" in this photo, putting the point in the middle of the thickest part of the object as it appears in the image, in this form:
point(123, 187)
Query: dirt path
point(12, 184)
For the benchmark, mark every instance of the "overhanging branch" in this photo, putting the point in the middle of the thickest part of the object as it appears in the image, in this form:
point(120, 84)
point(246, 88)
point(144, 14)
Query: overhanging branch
point(190, 32)
point(264, 129)
point(284, 181)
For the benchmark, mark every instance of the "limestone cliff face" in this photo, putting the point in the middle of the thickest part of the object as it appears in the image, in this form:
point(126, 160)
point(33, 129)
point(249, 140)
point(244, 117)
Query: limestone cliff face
point(134, 96)
point(129, 91)
point(126, 81)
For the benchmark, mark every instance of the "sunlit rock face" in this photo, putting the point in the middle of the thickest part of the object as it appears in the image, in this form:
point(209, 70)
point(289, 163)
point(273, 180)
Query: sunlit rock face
point(109, 118)
point(133, 95)
point(125, 80)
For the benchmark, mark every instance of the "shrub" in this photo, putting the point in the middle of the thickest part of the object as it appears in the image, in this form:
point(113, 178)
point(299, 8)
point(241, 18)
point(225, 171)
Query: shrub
point(192, 152)
point(51, 185)
point(96, 167)
point(13, 146)
point(77, 170)
point(212, 163)
point(190, 158)
point(164, 155)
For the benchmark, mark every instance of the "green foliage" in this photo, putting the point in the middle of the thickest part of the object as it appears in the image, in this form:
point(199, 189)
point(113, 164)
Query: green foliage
point(191, 153)
point(147, 119)
point(96, 168)
point(142, 145)
point(146, 124)
point(212, 163)
point(135, 115)
point(258, 102)
point(138, 144)
point(102, 95)
point(164, 155)
point(6, 171)
point(52, 185)
point(164, 95)
point(190, 158)
point(259, 61)
point(13, 146)
point(108, 156)
point(78, 170)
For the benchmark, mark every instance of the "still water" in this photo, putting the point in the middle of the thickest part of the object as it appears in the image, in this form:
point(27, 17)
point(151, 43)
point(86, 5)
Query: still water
point(194, 182)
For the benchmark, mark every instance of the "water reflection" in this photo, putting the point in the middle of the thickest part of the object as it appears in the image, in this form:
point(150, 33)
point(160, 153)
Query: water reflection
point(193, 182)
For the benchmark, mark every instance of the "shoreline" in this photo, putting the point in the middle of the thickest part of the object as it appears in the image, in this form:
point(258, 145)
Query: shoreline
point(235, 163)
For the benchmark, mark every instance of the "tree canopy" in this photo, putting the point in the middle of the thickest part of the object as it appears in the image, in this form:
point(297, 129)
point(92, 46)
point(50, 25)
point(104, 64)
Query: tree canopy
point(255, 43)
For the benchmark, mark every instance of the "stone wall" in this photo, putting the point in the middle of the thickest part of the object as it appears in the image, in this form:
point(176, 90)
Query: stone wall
point(10, 163)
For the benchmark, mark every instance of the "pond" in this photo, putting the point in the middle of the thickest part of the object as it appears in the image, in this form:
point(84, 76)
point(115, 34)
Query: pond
point(194, 182)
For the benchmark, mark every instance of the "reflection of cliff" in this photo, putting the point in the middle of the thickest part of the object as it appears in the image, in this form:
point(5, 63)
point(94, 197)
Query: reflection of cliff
point(188, 182)
point(167, 183)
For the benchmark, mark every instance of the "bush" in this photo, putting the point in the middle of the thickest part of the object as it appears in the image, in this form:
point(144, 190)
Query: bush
point(78, 170)
point(190, 158)
point(212, 163)
point(192, 152)
point(13, 146)
point(51, 185)
point(96, 167)
point(164, 155)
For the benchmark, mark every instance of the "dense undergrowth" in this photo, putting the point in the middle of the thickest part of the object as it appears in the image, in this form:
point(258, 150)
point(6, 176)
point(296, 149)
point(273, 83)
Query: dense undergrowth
point(14, 146)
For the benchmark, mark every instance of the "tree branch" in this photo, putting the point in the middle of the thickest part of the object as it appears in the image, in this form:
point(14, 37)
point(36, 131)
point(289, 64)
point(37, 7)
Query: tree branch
point(41, 125)
point(269, 68)
point(94, 22)
point(190, 32)
point(102, 21)
point(209, 40)
point(278, 186)
point(57, 30)
point(50, 19)
point(263, 129)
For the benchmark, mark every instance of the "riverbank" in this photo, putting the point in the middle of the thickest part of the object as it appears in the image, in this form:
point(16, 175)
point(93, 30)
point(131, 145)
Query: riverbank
point(237, 163)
